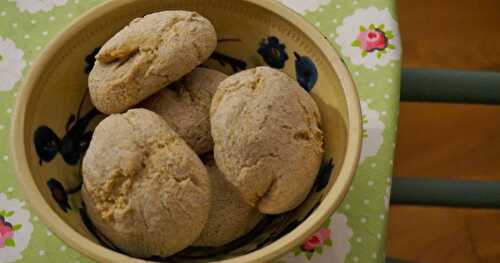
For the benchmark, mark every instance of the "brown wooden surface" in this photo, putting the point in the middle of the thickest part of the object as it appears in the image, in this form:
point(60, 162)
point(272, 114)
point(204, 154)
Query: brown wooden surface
point(448, 141)
point(451, 33)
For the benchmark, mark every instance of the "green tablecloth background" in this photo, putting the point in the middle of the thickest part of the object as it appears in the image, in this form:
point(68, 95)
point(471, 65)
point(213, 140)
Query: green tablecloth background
point(355, 233)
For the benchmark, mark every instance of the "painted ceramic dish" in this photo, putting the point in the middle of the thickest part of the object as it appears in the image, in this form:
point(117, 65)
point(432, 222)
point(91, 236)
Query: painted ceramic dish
point(54, 119)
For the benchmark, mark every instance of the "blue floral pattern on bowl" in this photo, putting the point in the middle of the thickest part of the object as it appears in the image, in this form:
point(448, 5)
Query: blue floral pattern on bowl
point(273, 52)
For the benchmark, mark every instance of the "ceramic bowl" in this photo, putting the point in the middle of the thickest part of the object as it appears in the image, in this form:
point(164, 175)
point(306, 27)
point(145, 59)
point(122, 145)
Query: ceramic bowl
point(54, 119)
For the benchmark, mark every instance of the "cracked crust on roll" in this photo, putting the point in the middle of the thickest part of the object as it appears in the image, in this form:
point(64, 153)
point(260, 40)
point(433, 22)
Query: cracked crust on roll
point(267, 138)
point(144, 188)
point(147, 55)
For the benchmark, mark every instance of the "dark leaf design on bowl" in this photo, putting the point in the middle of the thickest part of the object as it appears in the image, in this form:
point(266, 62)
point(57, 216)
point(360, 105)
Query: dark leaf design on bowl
point(273, 52)
point(306, 71)
point(90, 60)
point(77, 139)
point(73, 144)
point(46, 143)
point(236, 64)
point(59, 194)
point(324, 174)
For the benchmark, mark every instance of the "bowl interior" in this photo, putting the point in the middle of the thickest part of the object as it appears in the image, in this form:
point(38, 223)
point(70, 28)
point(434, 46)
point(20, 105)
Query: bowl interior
point(58, 116)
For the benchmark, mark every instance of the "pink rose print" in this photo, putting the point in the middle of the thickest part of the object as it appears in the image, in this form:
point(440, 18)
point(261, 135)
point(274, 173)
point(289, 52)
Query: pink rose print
point(311, 243)
point(316, 240)
point(6, 233)
point(331, 243)
point(7, 230)
point(372, 39)
point(15, 229)
point(369, 38)
point(324, 233)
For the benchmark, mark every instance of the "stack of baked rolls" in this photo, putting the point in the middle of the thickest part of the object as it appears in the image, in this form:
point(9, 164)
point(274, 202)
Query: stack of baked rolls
point(146, 188)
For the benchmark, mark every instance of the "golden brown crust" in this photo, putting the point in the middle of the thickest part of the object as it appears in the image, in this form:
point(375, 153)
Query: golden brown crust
point(148, 54)
point(146, 190)
point(267, 138)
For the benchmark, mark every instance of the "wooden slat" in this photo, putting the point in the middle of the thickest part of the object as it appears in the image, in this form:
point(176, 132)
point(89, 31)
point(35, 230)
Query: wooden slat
point(445, 141)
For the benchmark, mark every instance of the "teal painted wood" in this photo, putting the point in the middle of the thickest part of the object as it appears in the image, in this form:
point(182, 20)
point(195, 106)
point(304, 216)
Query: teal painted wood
point(455, 86)
point(452, 193)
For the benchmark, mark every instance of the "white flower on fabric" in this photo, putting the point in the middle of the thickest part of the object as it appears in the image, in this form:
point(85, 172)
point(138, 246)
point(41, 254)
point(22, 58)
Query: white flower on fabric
point(35, 6)
point(11, 64)
point(330, 244)
point(302, 6)
point(369, 37)
point(373, 132)
point(15, 229)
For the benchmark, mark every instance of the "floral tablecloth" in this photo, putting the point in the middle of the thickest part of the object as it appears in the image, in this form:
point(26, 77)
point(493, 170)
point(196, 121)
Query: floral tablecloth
point(365, 32)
